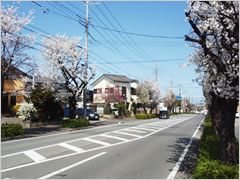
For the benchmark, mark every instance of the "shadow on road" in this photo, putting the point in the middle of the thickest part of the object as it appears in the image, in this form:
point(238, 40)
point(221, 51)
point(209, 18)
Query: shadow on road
point(189, 162)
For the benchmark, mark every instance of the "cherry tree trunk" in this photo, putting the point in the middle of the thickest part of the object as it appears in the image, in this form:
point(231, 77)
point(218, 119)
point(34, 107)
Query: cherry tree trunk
point(215, 117)
point(226, 112)
point(72, 107)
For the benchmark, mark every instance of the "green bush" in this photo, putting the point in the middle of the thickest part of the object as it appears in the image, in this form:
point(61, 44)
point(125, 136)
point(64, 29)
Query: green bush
point(48, 107)
point(208, 164)
point(74, 123)
point(11, 130)
point(145, 116)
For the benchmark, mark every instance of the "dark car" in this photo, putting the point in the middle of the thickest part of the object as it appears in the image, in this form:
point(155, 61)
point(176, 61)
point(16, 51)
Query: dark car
point(91, 115)
point(163, 114)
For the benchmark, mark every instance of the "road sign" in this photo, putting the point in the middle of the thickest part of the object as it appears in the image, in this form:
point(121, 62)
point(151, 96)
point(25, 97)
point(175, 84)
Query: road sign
point(179, 98)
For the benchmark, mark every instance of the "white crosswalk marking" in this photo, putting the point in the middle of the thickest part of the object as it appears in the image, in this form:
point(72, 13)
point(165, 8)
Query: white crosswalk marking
point(127, 134)
point(151, 127)
point(114, 137)
point(135, 131)
point(143, 128)
point(34, 156)
point(68, 146)
point(98, 142)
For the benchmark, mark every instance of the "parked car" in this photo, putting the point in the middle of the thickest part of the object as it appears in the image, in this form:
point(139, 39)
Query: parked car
point(163, 114)
point(91, 115)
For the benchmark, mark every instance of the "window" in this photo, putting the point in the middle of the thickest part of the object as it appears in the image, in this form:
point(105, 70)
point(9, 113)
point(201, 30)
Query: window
point(133, 91)
point(124, 91)
point(97, 91)
point(111, 90)
point(106, 90)
point(13, 100)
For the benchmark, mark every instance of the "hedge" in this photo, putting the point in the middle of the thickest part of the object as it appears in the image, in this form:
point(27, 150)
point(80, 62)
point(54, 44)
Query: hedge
point(145, 116)
point(208, 164)
point(74, 123)
point(11, 130)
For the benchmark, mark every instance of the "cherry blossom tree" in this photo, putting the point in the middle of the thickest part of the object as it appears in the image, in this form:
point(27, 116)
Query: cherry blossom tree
point(155, 95)
point(14, 42)
point(215, 34)
point(148, 93)
point(169, 100)
point(64, 68)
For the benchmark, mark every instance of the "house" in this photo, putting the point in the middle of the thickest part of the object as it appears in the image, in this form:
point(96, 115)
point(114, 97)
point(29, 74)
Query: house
point(14, 85)
point(17, 85)
point(114, 88)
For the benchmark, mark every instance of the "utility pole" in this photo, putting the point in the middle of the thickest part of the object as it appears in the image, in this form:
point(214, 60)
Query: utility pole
point(86, 63)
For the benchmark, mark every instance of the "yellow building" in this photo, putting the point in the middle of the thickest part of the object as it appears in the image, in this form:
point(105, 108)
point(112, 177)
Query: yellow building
point(14, 90)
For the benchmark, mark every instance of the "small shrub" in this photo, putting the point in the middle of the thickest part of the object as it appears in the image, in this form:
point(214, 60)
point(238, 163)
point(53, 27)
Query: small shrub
point(27, 110)
point(11, 130)
point(74, 123)
point(208, 164)
point(145, 116)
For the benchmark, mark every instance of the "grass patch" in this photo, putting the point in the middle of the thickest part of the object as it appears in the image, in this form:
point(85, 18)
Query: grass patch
point(11, 130)
point(208, 164)
point(145, 116)
point(74, 123)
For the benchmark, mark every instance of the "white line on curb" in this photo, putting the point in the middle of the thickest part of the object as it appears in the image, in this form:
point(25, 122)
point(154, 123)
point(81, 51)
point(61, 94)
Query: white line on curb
point(71, 166)
point(178, 164)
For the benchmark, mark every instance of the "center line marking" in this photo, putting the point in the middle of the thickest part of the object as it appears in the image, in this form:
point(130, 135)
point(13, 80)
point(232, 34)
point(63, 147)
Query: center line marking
point(71, 166)
point(98, 142)
point(34, 156)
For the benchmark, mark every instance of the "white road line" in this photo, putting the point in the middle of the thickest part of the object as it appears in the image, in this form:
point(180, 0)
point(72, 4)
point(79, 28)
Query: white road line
point(132, 130)
point(154, 128)
point(12, 141)
point(114, 137)
point(68, 146)
point(143, 128)
point(98, 142)
point(73, 154)
point(34, 156)
point(178, 164)
point(71, 166)
point(128, 134)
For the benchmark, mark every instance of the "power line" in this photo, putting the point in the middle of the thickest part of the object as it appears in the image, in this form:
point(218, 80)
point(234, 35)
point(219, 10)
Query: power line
point(149, 61)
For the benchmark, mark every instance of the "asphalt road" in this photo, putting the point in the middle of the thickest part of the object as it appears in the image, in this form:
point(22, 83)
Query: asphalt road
point(146, 149)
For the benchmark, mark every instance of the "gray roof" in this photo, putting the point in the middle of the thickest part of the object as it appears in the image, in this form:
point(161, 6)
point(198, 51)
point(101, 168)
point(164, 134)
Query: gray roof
point(117, 78)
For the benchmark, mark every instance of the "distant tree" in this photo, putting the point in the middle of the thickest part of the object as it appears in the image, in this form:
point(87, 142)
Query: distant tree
point(64, 68)
point(14, 42)
point(215, 34)
point(169, 100)
point(155, 95)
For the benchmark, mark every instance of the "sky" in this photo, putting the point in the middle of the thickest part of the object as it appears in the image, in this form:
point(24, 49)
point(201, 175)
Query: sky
point(151, 47)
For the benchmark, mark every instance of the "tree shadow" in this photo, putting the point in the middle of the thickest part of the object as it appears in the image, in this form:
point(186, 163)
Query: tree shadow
point(189, 162)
